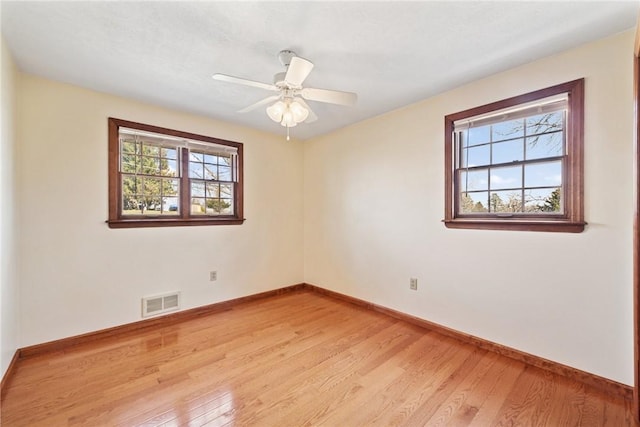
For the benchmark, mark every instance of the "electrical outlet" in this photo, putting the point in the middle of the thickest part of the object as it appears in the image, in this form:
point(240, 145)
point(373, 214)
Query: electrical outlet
point(213, 276)
point(413, 284)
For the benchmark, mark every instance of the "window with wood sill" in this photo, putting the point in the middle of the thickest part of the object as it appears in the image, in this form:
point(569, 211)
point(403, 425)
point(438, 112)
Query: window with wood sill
point(162, 177)
point(517, 164)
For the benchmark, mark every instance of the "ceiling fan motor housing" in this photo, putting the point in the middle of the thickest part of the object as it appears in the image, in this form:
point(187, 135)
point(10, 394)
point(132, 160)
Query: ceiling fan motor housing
point(285, 57)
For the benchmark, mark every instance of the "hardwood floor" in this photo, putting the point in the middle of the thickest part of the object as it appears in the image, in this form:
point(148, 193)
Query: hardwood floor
point(294, 360)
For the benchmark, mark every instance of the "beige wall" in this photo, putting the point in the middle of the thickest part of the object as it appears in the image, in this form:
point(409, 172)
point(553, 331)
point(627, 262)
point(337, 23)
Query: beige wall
point(77, 275)
point(374, 205)
point(8, 217)
point(368, 217)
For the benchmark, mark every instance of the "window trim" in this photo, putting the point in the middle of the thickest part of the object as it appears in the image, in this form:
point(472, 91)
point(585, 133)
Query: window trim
point(572, 221)
point(117, 220)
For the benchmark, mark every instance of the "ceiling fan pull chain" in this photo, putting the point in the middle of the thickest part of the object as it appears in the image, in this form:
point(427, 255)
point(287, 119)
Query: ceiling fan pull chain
point(287, 133)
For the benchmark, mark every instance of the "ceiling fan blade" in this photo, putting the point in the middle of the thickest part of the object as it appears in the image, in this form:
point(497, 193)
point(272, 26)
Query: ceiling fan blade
point(241, 81)
point(298, 70)
point(330, 96)
point(312, 116)
point(259, 103)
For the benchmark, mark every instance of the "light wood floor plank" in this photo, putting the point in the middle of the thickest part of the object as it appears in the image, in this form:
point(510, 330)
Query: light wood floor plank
point(296, 359)
point(488, 397)
point(530, 401)
point(456, 410)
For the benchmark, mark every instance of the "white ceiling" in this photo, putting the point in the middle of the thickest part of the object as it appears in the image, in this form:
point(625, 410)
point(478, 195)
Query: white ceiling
point(390, 53)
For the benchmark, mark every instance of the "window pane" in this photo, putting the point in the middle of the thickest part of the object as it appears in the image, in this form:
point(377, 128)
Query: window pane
point(169, 153)
point(474, 202)
point(208, 158)
point(198, 206)
point(226, 206)
point(154, 205)
point(152, 186)
point(548, 145)
point(210, 172)
point(213, 189)
point(196, 170)
point(197, 189)
point(475, 156)
point(505, 152)
point(171, 206)
point(150, 150)
point(218, 206)
point(226, 190)
point(226, 161)
point(506, 177)
point(509, 201)
point(474, 180)
point(134, 205)
point(129, 184)
point(543, 174)
point(170, 187)
point(129, 204)
point(543, 123)
point(196, 157)
point(129, 194)
point(224, 173)
point(169, 168)
point(150, 166)
point(128, 147)
point(507, 130)
point(129, 163)
point(543, 200)
point(478, 135)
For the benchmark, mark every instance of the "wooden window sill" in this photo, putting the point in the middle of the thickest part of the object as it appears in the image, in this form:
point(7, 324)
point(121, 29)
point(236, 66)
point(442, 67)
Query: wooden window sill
point(517, 225)
point(171, 222)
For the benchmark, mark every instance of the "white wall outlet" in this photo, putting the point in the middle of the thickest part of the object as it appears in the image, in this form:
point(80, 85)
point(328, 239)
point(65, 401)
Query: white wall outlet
point(213, 276)
point(413, 284)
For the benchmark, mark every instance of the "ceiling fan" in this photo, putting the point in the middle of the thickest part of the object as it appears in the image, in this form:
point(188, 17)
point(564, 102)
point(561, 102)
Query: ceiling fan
point(288, 107)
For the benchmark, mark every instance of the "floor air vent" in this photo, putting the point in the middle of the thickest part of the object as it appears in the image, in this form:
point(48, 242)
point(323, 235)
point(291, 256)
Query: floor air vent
point(159, 304)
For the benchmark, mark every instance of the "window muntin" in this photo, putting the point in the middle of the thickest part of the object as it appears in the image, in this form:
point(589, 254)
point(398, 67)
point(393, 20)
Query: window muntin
point(162, 177)
point(517, 163)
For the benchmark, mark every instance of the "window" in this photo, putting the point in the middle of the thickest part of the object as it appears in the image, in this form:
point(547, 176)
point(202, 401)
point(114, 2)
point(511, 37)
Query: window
point(161, 177)
point(517, 164)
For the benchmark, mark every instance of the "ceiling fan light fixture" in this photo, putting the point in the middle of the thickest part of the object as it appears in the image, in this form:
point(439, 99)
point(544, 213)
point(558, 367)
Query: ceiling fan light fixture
point(288, 113)
point(300, 113)
point(288, 120)
point(276, 111)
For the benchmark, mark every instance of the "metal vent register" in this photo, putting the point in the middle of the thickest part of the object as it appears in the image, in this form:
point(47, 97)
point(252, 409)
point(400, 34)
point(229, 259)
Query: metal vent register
point(159, 304)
